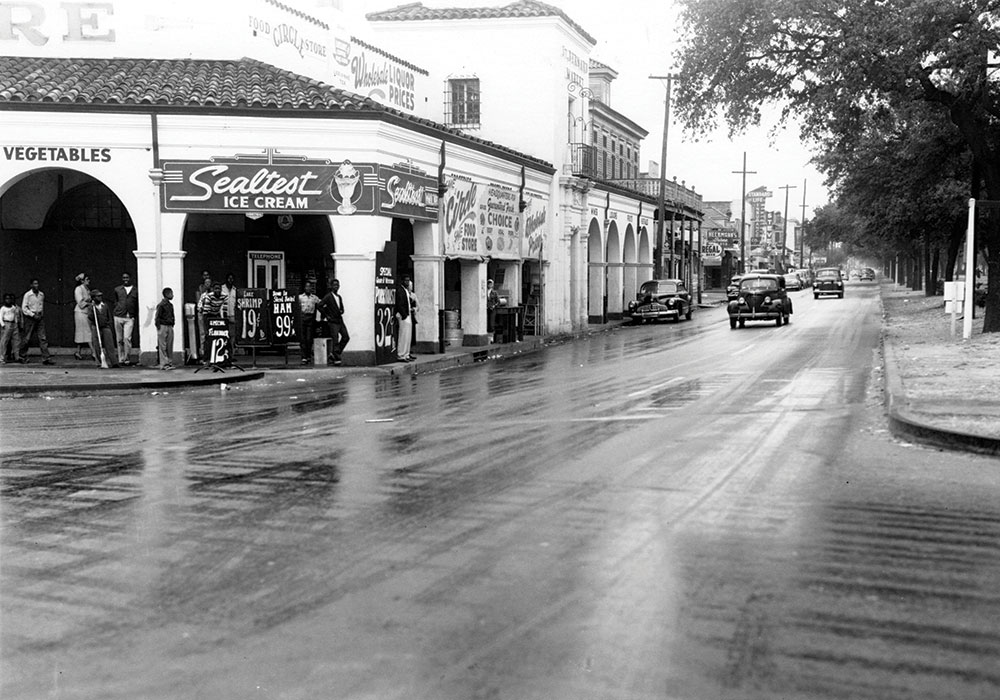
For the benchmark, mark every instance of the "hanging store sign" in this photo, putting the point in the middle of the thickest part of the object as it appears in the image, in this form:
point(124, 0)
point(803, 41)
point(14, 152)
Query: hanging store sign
point(269, 183)
point(481, 220)
point(535, 227)
point(407, 192)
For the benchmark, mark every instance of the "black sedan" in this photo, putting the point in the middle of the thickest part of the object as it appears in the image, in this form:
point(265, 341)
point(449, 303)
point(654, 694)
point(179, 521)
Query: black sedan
point(660, 299)
point(761, 298)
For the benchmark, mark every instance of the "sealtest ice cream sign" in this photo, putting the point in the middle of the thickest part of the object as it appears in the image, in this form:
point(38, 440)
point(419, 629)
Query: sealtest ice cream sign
point(270, 183)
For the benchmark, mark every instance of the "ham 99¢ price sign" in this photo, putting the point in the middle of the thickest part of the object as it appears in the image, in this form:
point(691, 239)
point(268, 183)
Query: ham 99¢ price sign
point(265, 317)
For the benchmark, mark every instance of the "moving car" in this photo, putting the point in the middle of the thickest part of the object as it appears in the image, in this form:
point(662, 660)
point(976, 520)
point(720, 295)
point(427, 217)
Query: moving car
point(762, 297)
point(828, 281)
point(793, 282)
point(660, 299)
point(868, 275)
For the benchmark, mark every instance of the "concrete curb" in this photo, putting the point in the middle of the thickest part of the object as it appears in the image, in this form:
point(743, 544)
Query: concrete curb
point(187, 380)
point(904, 424)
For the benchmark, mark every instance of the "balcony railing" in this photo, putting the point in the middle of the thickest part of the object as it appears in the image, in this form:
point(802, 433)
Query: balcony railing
point(674, 193)
point(583, 158)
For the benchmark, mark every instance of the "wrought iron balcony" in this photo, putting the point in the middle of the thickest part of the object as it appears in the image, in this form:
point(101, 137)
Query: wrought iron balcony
point(583, 158)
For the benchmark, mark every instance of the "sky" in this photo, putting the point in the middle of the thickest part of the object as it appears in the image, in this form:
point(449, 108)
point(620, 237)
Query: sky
point(634, 38)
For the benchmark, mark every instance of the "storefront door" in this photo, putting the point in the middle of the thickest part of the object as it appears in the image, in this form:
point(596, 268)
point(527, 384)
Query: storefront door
point(266, 269)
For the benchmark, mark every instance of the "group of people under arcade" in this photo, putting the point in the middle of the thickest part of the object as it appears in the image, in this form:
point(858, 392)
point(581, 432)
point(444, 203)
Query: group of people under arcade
point(102, 331)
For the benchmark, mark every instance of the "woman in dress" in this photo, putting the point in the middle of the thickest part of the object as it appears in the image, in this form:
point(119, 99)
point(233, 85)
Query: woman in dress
point(81, 312)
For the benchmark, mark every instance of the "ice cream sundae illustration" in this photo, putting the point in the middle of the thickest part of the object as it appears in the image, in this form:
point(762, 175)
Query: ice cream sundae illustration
point(346, 177)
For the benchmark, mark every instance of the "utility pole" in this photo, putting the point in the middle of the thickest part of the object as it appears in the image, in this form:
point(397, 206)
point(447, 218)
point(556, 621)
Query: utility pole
point(743, 212)
point(784, 228)
point(658, 262)
point(802, 228)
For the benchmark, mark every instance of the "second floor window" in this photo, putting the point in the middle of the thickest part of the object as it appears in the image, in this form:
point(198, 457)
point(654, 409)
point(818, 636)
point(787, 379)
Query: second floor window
point(462, 102)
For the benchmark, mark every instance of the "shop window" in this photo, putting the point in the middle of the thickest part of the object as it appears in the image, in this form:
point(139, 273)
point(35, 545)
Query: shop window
point(89, 207)
point(461, 103)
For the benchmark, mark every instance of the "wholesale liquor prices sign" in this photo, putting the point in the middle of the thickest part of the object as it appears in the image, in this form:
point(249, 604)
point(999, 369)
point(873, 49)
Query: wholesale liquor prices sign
point(271, 182)
point(481, 220)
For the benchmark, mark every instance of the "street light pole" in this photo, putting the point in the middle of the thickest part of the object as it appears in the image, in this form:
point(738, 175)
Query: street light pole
point(743, 212)
point(784, 228)
point(658, 262)
point(802, 229)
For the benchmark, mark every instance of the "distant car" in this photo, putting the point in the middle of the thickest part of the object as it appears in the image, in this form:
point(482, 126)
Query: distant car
point(793, 282)
point(762, 297)
point(660, 299)
point(868, 275)
point(733, 290)
point(806, 275)
point(828, 281)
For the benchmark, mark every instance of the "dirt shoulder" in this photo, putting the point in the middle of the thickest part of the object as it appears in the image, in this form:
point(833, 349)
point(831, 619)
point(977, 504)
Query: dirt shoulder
point(949, 382)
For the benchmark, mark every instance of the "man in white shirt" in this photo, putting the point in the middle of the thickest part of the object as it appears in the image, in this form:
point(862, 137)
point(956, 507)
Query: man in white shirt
point(307, 321)
point(33, 313)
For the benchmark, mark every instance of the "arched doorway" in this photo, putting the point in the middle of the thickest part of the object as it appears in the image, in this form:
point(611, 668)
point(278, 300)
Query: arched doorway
point(271, 251)
point(614, 272)
point(55, 224)
point(596, 291)
point(630, 282)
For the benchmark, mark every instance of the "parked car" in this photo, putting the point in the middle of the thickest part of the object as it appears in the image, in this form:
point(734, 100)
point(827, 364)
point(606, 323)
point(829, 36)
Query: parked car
point(762, 297)
point(793, 282)
point(806, 275)
point(733, 290)
point(660, 299)
point(828, 281)
point(868, 275)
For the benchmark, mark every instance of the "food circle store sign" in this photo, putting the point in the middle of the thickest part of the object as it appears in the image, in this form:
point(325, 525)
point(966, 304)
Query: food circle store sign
point(481, 220)
point(273, 184)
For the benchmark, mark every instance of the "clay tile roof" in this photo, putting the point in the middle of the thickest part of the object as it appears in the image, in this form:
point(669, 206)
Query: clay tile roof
point(179, 82)
point(521, 8)
point(244, 84)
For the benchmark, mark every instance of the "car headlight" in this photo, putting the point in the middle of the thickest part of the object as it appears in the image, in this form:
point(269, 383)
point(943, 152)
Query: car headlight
point(767, 300)
point(631, 306)
point(742, 300)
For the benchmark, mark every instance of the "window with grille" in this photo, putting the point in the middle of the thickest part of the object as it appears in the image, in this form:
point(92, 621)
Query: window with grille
point(461, 102)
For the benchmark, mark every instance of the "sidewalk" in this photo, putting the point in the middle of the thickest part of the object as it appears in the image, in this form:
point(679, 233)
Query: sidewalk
point(71, 376)
point(939, 389)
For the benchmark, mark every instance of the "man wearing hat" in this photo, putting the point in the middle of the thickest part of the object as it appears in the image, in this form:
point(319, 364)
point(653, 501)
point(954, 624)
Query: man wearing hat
point(101, 324)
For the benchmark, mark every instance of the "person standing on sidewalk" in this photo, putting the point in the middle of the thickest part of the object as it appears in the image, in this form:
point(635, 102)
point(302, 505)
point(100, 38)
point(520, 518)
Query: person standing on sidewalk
point(33, 314)
point(81, 310)
point(10, 330)
point(101, 324)
point(126, 311)
point(332, 308)
point(308, 301)
point(164, 321)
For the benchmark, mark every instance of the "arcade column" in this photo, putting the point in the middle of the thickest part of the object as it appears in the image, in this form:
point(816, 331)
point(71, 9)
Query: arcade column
point(428, 285)
point(474, 303)
point(356, 239)
point(156, 270)
point(615, 293)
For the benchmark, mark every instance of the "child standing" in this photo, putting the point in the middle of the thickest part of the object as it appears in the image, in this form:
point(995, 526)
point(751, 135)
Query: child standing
point(10, 331)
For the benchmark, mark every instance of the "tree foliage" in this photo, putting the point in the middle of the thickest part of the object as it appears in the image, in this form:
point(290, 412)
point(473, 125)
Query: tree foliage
point(847, 70)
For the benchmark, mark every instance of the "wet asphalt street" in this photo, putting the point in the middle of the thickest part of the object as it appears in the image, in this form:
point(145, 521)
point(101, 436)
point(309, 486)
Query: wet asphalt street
point(677, 511)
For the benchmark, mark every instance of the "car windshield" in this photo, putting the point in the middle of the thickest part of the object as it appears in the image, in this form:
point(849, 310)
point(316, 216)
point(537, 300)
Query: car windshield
point(759, 284)
point(828, 274)
point(658, 288)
